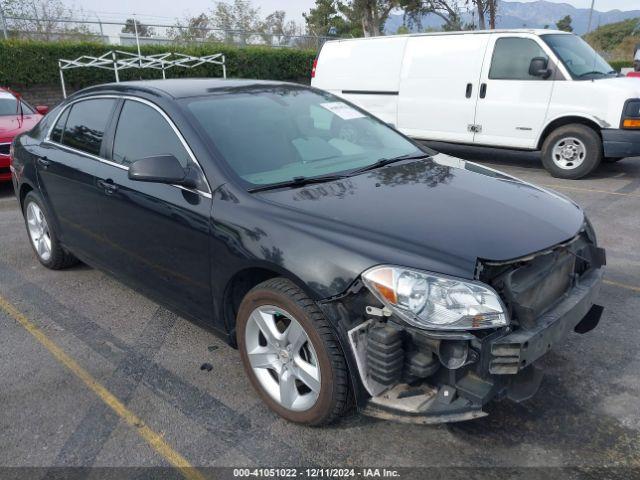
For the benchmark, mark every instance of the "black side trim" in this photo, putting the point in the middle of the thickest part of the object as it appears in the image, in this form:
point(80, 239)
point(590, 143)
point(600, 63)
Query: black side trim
point(368, 92)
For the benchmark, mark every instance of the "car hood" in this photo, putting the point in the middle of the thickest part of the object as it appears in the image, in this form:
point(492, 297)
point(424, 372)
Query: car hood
point(440, 208)
point(12, 125)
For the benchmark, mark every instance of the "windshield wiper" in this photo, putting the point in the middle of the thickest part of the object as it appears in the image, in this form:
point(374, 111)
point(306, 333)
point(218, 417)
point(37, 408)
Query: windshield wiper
point(592, 73)
point(297, 182)
point(386, 161)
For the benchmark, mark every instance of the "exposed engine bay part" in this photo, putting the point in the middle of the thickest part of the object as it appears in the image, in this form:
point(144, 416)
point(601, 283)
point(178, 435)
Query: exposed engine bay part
point(419, 375)
point(530, 286)
point(389, 354)
point(385, 355)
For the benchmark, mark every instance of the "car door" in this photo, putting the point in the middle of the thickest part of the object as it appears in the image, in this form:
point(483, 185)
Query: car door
point(439, 86)
point(66, 165)
point(512, 104)
point(157, 235)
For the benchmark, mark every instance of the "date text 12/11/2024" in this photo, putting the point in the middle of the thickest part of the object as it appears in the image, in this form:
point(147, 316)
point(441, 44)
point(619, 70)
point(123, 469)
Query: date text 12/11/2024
point(316, 472)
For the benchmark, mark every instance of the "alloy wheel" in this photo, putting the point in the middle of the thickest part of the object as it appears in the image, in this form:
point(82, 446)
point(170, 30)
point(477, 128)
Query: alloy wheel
point(283, 358)
point(39, 231)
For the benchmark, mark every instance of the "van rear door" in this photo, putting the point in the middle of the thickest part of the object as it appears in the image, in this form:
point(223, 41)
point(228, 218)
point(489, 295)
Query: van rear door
point(513, 103)
point(364, 71)
point(439, 86)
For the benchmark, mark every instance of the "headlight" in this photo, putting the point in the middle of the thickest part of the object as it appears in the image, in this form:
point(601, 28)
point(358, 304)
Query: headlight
point(427, 300)
point(631, 115)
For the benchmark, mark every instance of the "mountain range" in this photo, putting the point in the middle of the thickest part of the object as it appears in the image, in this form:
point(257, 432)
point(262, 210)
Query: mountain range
point(536, 14)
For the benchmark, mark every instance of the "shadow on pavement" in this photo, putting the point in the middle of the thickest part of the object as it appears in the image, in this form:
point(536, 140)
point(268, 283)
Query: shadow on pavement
point(6, 190)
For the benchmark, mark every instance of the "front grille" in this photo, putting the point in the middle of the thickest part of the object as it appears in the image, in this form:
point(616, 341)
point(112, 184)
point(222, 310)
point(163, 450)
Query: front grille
point(4, 148)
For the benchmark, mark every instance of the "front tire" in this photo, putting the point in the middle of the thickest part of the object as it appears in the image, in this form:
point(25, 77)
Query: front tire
point(572, 151)
point(291, 355)
point(42, 236)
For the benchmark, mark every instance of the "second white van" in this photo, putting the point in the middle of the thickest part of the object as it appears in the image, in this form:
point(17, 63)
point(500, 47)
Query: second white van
point(521, 89)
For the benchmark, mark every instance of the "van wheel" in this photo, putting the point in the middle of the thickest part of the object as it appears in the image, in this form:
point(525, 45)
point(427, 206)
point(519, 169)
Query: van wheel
point(43, 237)
point(572, 151)
point(291, 354)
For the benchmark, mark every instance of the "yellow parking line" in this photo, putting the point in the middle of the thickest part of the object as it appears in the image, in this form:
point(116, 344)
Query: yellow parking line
point(152, 438)
point(579, 189)
point(622, 285)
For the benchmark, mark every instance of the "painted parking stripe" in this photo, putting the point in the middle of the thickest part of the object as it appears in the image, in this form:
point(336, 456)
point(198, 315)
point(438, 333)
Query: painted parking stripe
point(622, 285)
point(154, 439)
point(580, 189)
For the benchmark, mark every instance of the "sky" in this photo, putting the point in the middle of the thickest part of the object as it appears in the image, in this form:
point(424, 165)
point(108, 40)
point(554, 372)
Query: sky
point(166, 11)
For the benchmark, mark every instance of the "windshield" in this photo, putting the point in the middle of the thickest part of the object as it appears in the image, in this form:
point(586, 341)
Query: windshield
point(582, 61)
point(9, 106)
point(275, 134)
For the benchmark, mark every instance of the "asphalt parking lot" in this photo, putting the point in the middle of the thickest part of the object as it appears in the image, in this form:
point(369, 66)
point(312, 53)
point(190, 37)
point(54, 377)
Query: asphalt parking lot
point(150, 404)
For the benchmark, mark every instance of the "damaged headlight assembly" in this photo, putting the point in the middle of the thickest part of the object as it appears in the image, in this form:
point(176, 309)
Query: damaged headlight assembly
point(436, 302)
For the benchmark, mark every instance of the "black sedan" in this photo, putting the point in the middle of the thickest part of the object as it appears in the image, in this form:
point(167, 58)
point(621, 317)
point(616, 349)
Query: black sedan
point(349, 265)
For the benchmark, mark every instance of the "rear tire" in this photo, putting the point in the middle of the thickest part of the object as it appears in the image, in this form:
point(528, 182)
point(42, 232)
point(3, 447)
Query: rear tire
point(42, 234)
point(297, 366)
point(572, 151)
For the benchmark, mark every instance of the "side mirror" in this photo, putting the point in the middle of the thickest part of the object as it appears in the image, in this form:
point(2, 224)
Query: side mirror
point(161, 169)
point(538, 67)
point(42, 109)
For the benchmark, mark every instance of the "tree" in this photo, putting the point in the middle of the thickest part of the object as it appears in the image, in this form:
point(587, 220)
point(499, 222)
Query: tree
point(42, 19)
point(236, 20)
point(195, 29)
point(332, 17)
point(131, 24)
point(447, 10)
point(373, 14)
point(275, 29)
point(564, 24)
point(482, 6)
point(492, 7)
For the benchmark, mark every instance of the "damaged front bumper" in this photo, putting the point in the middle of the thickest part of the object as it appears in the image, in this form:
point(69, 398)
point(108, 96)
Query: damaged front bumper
point(419, 376)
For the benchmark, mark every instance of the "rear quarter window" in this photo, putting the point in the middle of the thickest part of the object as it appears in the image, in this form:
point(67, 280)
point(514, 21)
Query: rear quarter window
point(86, 123)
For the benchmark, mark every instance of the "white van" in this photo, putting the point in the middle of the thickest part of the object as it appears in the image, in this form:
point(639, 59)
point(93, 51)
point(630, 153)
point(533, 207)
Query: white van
point(524, 89)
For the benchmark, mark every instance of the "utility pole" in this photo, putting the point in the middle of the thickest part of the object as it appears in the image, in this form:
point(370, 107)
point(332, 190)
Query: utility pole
point(4, 22)
point(135, 27)
point(590, 16)
point(100, 23)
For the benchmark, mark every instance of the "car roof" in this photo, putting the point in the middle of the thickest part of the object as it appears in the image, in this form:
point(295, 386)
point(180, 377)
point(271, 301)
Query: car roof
point(181, 87)
point(533, 31)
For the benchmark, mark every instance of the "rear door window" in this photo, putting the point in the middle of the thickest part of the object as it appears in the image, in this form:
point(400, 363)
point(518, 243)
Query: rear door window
point(143, 132)
point(86, 124)
point(512, 57)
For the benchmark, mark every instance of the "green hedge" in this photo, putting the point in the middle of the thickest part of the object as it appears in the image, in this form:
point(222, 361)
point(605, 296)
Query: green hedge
point(619, 64)
point(36, 63)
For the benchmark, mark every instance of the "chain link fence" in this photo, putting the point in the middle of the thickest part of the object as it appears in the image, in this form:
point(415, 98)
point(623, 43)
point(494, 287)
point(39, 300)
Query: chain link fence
point(138, 33)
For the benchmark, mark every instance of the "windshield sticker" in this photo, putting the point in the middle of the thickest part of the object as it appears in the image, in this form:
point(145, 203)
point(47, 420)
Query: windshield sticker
point(343, 110)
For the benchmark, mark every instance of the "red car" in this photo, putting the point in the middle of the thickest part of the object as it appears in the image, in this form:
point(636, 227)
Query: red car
point(16, 116)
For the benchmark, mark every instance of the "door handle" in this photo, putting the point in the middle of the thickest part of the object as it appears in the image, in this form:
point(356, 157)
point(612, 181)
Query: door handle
point(108, 186)
point(469, 90)
point(44, 162)
point(483, 90)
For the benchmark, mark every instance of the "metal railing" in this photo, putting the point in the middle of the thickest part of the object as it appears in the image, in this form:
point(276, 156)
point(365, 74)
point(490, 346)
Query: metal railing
point(116, 61)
